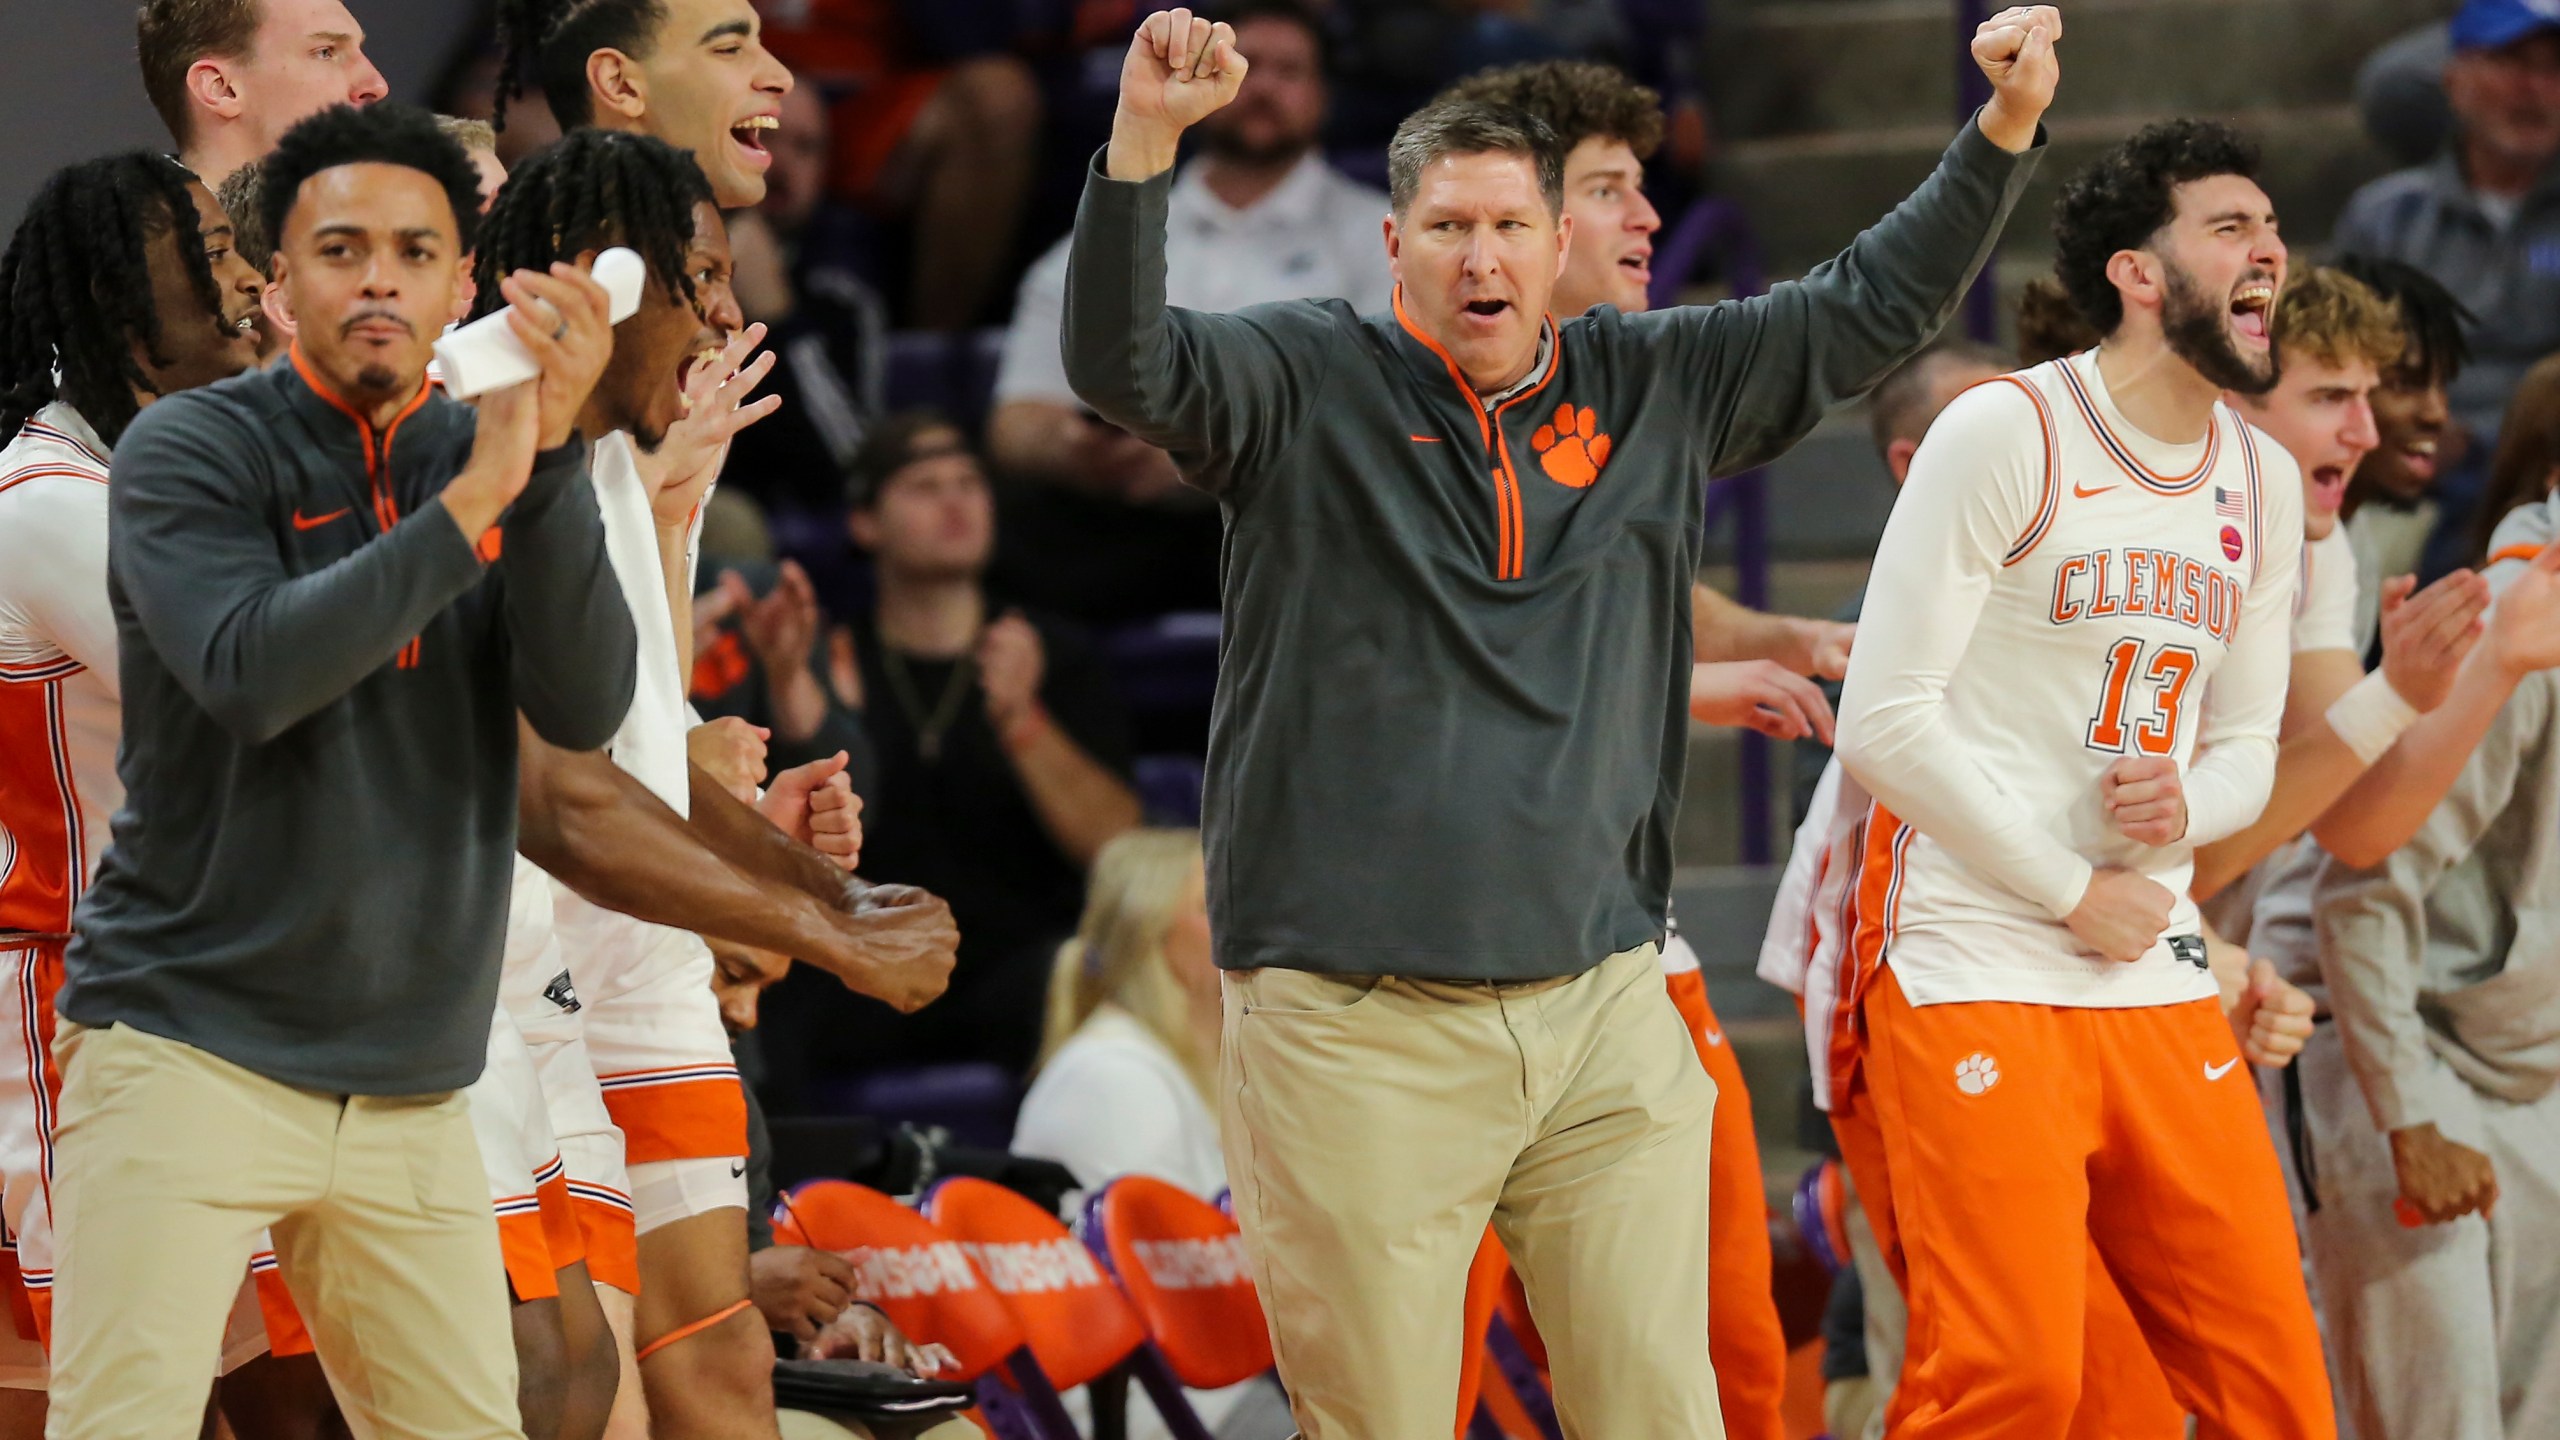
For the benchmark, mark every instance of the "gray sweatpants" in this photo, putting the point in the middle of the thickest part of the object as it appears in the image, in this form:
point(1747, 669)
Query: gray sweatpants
point(2445, 1332)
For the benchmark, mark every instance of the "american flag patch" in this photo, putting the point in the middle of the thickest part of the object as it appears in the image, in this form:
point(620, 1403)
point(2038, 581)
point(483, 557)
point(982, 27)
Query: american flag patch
point(2230, 504)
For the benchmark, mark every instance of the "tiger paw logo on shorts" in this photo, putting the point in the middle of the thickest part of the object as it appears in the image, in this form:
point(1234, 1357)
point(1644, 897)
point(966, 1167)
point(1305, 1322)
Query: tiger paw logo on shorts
point(1976, 1073)
point(1572, 449)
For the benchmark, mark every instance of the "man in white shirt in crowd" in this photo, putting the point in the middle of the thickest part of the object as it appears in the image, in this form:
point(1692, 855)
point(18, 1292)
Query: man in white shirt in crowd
point(1104, 529)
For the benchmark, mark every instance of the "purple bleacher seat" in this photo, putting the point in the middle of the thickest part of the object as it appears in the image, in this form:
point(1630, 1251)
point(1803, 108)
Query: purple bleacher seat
point(975, 1102)
point(1168, 663)
point(1169, 788)
point(837, 571)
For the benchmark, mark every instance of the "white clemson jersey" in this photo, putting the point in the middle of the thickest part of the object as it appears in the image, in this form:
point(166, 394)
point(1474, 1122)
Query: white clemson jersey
point(59, 723)
point(2055, 592)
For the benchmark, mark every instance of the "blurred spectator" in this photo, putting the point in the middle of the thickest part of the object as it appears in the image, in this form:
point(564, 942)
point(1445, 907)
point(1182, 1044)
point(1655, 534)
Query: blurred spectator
point(946, 145)
point(1130, 1060)
point(1129, 1057)
point(2391, 509)
point(2049, 325)
point(1003, 769)
point(1900, 410)
point(2400, 94)
point(1104, 529)
point(2483, 218)
point(2527, 465)
point(827, 327)
point(758, 655)
point(1400, 53)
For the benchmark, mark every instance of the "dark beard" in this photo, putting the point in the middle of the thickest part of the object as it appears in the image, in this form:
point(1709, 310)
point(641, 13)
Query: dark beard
point(1228, 143)
point(2198, 329)
point(380, 379)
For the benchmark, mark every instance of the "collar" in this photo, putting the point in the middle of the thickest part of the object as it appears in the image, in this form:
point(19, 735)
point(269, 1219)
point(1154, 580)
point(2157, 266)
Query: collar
point(1432, 361)
point(70, 427)
point(318, 401)
point(1296, 200)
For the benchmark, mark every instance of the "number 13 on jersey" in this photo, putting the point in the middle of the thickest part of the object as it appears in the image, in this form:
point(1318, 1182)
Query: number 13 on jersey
point(2161, 673)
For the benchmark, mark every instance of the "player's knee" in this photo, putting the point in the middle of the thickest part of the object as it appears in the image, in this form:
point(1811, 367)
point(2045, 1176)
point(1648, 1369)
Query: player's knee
point(542, 1368)
point(720, 1366)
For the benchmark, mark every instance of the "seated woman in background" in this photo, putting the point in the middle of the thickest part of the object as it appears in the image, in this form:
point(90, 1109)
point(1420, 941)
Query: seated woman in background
point(1131, 1048)
point(1127, 1062)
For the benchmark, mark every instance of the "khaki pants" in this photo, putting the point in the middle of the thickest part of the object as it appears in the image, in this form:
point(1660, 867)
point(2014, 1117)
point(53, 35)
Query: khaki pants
point(167, 1164)
point(1374, 1126)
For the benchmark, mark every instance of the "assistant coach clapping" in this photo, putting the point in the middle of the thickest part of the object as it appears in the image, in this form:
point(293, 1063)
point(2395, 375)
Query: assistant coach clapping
point(1451, 715)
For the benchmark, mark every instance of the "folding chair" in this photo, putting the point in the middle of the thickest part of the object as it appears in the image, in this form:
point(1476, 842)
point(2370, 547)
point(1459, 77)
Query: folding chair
point(924, 1280)
point(1081, 1328)
point(1182, 1264)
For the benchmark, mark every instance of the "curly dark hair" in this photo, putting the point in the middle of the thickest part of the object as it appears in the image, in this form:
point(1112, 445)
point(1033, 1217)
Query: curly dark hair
point(591, 189)
point(386, 134)
point(75, 288)
point(2434, 320)
point(2126, 196)
point(2049, 325)
point(1579, 99)
point(550, 40)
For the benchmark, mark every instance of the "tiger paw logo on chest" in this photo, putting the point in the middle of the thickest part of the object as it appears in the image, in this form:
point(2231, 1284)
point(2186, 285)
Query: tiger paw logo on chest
point(1571, 449)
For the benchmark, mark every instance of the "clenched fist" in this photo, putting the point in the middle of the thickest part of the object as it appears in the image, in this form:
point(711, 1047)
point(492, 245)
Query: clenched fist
point(1180, 68)
point(2015, 50)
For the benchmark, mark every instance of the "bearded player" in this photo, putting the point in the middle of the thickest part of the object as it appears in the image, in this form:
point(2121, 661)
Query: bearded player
point(2073, 675)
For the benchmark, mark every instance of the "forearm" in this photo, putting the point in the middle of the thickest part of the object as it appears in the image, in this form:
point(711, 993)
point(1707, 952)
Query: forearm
point(1081, 804)
point(742, 837)
point(1726, 629)
point(2386, 805)
point(1806, 345)
point(2313, 769)
point(262, 657)
point(800, 707)
point(575, 652)
point(602, 833)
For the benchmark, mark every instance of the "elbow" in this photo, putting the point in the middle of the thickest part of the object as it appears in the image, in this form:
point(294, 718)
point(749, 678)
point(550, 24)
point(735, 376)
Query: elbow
point(585, 722)
point(247, 718)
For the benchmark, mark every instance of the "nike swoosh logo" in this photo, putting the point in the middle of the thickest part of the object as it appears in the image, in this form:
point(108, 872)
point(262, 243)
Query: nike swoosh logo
point(2216, 1072)
point(1424, 439)
point(737, 1170)
point(1714, 1037)
point(314, 522)
point(2083, 493)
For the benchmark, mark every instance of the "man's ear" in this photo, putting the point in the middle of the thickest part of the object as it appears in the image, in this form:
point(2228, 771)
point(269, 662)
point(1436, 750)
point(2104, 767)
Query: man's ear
point(1897, 457)
point(615, 85)
point(1564, 241)
point(864, 527)
point(2136, 276)
point(209, 86)
point(1395, 248)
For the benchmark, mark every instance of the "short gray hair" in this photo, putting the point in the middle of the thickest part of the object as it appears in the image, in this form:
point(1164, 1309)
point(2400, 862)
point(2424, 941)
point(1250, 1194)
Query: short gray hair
point(1458, 126)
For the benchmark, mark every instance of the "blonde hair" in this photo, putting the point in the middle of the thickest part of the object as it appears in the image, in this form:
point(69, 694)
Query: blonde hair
point(468, 133)
point(1117, 956)
point(2337, 319)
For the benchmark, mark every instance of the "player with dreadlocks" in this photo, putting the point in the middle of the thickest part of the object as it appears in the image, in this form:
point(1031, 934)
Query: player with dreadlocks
point(651, 1024)
point(119, 287)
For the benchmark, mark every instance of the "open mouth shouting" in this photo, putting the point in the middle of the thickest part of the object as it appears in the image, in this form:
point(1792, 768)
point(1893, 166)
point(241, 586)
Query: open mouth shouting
point(1637, 264)
point(2328, 488)
point(2250, 307)
point(750, 134)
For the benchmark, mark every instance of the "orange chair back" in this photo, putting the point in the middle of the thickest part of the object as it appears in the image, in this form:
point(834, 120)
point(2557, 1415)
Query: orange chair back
point(920, 1277)
point(1182, 1262)
point(1078, 1323)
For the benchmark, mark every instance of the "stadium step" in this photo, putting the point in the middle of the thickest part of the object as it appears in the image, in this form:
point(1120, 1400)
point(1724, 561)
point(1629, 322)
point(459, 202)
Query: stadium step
point(1799, 66)
point(1830, 111)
